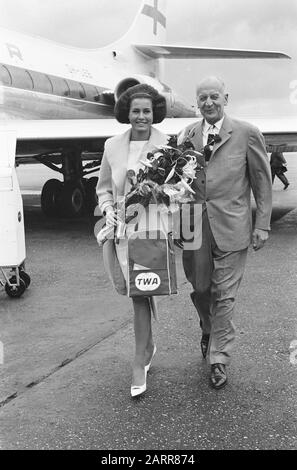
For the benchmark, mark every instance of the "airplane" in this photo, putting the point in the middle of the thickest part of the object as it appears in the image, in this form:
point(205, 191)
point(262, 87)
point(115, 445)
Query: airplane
point(60, 101)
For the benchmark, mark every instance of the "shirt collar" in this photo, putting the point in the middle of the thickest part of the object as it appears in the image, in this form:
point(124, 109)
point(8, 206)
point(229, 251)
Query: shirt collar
point(207, 126)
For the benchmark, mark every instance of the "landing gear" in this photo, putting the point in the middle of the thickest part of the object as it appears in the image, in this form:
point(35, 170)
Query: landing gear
point(76, 195)
point(71, 200)
point(91, 196)
point(49, 197)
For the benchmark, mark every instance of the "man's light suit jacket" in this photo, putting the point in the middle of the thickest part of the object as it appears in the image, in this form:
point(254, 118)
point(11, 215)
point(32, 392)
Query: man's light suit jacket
point(238, 164)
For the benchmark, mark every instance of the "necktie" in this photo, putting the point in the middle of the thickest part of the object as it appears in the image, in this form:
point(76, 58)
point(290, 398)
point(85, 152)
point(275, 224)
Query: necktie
point(210, 143)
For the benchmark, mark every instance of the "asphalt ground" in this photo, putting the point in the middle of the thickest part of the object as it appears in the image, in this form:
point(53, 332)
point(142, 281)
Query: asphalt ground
point(68, 346)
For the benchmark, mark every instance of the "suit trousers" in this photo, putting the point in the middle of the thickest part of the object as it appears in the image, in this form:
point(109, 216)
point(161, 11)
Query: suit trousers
point(215, 276)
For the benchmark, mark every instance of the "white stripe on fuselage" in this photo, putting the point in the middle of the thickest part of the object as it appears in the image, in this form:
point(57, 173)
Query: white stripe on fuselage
point(41, 105)
point(51, 95)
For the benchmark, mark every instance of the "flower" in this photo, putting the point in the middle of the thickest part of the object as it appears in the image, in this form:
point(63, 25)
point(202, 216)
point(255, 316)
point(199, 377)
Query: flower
point(189, 170)
point(168, 172)
point(166, 178)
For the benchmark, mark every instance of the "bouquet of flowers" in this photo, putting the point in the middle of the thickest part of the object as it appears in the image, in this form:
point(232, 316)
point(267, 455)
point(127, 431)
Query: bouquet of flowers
point(166, 178)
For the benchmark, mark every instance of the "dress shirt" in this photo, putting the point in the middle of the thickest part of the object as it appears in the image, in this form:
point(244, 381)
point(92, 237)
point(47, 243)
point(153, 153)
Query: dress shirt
point(211, 129)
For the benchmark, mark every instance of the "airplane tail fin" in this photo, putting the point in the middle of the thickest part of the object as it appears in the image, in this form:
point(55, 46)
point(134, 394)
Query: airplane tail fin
point(149, 25)
point(147, 34)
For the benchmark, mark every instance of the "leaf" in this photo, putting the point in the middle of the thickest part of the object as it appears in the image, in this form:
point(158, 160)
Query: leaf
point(170, 175)
point(186, 186)
point(146, 163)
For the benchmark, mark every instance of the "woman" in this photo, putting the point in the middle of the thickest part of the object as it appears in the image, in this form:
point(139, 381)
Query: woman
point(141, 106)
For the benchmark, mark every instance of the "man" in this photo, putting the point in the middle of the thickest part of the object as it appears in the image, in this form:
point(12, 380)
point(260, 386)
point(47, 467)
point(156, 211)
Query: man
point(235, 162)
point(278, 167)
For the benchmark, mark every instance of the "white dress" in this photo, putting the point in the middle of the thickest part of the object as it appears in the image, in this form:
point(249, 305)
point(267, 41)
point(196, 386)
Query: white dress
point(133, 163)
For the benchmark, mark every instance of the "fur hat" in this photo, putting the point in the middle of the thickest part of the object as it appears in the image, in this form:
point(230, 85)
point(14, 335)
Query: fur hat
point(122, 106)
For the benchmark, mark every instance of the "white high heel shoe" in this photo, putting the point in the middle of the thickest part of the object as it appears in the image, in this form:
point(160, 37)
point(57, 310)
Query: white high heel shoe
point(147, 367)
point(137, 390)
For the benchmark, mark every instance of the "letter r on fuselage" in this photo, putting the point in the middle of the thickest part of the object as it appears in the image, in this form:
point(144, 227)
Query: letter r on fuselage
point(14, 51)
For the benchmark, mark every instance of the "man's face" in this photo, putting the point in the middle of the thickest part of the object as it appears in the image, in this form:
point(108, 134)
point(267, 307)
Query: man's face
point(211, 100)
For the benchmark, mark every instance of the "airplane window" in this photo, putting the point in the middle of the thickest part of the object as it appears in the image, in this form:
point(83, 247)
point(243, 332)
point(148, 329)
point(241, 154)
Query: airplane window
point(82, 91)
point(30, 76)
point(91, 92)
point(5, 76)
point(98, 96)
point(60, 86)
point(41, 82)
point(76, 89)
point(21, 78)
point(67, 90)
point(51, 84)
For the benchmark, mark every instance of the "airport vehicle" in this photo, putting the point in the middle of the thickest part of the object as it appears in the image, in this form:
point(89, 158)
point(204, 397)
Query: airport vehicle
point(60, 100)
point(15, 280)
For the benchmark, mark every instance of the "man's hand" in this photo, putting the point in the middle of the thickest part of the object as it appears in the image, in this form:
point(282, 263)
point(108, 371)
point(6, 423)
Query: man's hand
point(259, 238)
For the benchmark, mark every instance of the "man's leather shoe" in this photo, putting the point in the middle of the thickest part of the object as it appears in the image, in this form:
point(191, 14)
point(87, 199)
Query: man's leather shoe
point(218, 376)
point(204, 345)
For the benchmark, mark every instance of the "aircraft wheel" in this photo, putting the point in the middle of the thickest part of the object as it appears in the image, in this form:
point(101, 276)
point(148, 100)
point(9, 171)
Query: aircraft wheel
point(15, 291)
point(91, 196)
point(49, 196)
point(26, 278)
point(23, 276)
point(71, 200)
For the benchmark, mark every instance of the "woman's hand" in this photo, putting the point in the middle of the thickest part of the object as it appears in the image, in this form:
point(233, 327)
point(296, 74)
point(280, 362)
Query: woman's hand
point(111, 217)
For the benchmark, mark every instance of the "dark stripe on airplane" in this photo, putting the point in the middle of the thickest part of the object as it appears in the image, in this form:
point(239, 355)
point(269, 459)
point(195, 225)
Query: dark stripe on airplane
point(25, 79)
point(155, 14)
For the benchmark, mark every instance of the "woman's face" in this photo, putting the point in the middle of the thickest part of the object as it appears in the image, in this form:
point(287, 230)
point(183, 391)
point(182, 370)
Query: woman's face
point(141, 116)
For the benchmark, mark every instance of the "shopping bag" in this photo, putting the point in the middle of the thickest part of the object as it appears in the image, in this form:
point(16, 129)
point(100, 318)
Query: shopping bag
point(151, 264)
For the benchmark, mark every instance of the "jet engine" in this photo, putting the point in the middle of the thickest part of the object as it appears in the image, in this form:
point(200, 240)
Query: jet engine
point(175, 106)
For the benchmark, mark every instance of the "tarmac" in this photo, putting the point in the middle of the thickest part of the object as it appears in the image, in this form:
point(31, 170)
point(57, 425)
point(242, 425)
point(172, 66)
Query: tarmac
point(68, 346)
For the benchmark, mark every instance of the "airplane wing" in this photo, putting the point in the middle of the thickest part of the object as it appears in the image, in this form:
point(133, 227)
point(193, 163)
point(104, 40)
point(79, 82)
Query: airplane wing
point(65, 129)
point(278, 132)
point(48, 136)
point(192, 52)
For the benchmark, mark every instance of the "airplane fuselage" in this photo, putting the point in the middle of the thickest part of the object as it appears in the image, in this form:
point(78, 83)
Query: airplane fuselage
point(43, 80)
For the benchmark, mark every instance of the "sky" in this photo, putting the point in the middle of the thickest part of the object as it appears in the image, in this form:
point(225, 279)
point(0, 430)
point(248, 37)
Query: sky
point(256, 87)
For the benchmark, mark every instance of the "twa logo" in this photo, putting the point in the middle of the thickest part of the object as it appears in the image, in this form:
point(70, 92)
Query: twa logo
point(147, 281)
